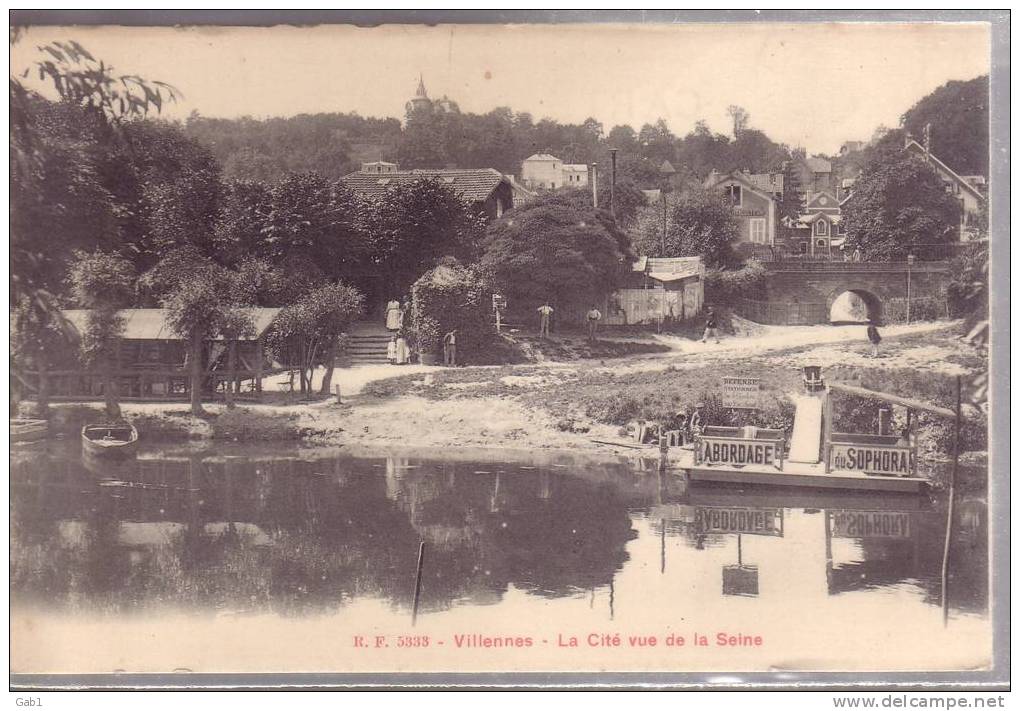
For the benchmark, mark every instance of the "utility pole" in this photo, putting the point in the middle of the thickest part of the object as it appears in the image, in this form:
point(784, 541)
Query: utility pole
point(595, 185)
point(910, 263)
point(612, 185)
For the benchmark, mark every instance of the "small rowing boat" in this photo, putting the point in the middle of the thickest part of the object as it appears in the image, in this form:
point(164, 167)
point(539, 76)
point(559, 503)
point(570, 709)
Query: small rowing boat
point(112, 439)
point(28, 430)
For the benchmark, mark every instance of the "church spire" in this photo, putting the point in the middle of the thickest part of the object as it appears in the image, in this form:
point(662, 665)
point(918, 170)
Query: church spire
point(420, 94)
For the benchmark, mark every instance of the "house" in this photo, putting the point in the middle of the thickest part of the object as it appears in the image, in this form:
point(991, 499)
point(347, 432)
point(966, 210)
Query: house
point(771, 183)
point(755, 209)
point(153, 360)
point(818, 230)
point(543, 170)
point(851, 147)
point(814, 173)
point(521, 195)
point(658, 290)
point(485, 189)
point(966, 189)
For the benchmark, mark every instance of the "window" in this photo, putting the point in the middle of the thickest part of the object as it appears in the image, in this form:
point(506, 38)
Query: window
point(757, 230)
point(822, 228)
point(733, 194)
point(803, 247)
point(820, 243)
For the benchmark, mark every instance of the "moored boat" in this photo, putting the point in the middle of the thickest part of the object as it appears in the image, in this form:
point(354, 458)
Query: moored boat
point(23, 430)
point(109, 439)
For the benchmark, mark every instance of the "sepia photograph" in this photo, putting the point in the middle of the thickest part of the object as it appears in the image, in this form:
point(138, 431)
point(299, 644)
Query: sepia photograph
point(594, 349)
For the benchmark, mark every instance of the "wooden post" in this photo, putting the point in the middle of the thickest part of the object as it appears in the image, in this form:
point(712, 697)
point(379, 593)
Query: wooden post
point(827, 429)
point(951, 506)
point(338, 400)
point(258, 368)
point(417, 583)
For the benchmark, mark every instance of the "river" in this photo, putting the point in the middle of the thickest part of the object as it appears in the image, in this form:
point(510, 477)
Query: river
point(250, 558)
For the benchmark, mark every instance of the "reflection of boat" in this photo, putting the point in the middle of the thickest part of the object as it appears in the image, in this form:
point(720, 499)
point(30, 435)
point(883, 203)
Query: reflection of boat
point(112, 439)
point(28, 430)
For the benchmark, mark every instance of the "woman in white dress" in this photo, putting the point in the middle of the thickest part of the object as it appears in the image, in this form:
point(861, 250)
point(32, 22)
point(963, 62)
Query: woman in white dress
point(403, 352)
point(393, 315)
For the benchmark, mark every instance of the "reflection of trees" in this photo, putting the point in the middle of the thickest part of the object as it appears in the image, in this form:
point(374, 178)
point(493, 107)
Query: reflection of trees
point(296, 535)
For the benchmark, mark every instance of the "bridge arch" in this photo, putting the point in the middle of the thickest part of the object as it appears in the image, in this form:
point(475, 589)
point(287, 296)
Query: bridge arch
point(854, 305)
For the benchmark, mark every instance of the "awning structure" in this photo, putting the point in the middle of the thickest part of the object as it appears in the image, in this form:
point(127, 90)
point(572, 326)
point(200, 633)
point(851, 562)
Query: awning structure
point(151, 324)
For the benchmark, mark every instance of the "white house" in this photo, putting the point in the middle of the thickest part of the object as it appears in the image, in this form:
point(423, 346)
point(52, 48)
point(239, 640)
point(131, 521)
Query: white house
point(542, 170)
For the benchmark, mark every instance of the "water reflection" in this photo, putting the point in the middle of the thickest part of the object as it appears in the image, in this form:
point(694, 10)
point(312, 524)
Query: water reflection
point(240, 533)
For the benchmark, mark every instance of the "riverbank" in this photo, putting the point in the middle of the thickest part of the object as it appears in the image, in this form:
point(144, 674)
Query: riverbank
point(577, 406)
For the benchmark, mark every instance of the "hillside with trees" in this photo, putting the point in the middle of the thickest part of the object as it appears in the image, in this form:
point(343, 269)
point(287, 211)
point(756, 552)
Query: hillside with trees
point(334, 144)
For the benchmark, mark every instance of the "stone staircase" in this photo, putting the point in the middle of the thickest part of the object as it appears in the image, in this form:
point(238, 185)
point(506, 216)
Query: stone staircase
point(367, 344)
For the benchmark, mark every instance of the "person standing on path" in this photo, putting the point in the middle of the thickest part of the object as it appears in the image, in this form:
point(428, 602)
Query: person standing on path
point(450, 348)
point(875, 337)
point(711, 327)
point(403, 352)
point(594, 316)
point(391, 351)
point(546, 311)
point(393, 315)
point(694, 423)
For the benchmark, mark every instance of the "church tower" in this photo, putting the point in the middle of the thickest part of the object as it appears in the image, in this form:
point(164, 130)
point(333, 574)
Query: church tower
point(421, 100)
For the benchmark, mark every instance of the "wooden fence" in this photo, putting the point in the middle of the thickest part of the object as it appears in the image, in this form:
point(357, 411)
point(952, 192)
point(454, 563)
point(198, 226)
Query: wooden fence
point(157, 385)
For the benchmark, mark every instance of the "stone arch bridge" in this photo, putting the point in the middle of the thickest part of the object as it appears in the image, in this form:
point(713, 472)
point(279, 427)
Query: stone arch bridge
point(803, 292)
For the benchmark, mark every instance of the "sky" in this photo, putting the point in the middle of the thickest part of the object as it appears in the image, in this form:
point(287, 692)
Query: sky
point(811, 85)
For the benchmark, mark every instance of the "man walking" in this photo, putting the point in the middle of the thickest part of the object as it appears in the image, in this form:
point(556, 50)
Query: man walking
point(450, 348)
point(710, 327)
point(545, 310)
point(875, 337)
point(594, 316)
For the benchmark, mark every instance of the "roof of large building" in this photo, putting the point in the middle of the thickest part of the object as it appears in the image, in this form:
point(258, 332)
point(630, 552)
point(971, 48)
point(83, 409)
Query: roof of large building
point(917, 148)
point(151, 324)
point(769, 182)
point(470, 184)
point(542, 156)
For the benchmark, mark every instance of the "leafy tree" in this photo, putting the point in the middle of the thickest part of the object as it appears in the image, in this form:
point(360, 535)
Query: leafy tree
point(239, 231)
point(702, 225)
point(628, 200)
point(740, 117)
point(958, 114)
point(195, 312)
point(550, 249)
point(234, 325)
point(899, 202)
point(413, 225)
point(316, 323)
point(317, 220)
point(102, 283)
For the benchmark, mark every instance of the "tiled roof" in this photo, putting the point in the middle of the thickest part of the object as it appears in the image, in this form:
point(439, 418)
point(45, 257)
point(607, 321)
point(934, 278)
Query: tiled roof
point(917, 148)
point(769, 182)
point(543, 156)
point(151, 325)
point(470, 184)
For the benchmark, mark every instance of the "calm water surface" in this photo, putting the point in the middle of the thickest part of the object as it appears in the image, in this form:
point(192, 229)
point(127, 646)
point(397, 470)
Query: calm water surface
point(545, 548)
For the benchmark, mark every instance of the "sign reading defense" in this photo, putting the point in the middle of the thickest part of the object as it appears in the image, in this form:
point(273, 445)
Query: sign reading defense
point(755, 522)
point(741, 393)
point(870, 458)
point(870, 524)
point(720, 450)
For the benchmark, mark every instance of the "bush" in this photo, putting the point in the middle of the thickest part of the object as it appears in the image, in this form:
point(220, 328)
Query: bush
point(726, 286)
point(450, 297)
point(926, 308)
